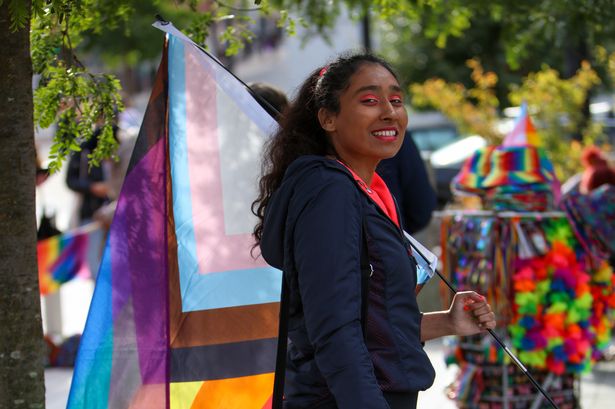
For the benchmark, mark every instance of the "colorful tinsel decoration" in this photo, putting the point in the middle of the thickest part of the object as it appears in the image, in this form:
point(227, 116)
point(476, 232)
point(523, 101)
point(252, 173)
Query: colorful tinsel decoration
point(603, 310)
point(560, 317)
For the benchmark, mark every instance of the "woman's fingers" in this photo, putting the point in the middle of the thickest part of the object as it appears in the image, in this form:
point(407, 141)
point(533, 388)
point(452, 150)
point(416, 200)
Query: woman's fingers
point(477, 304)
point(471, 313)
point(484, 316)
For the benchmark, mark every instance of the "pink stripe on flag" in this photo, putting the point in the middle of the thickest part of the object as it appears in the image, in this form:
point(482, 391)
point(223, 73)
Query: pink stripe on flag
point(216, 251)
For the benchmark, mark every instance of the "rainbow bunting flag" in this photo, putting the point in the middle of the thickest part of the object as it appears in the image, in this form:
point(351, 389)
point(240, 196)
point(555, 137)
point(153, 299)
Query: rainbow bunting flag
point(63, 257)
point(182, 315)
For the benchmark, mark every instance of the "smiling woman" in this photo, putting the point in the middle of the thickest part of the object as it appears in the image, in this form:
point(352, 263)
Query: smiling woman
point(371, 120)
point(329, 222)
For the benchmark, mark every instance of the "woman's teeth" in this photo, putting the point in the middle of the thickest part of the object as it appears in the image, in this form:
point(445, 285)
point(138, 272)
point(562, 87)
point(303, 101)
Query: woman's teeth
point(385, 133)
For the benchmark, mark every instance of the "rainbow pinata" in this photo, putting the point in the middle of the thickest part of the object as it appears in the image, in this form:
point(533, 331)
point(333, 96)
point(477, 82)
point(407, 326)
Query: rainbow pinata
point(516, 175)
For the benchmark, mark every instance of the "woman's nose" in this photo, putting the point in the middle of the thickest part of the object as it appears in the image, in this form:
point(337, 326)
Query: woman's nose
point(388, 111)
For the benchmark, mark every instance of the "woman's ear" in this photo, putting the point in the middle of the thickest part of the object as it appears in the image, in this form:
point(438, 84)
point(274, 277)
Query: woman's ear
point(326, 119)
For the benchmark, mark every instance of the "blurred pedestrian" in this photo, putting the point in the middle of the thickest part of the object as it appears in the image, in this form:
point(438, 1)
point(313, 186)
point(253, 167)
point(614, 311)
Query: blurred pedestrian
point(275, 101)
point(86, 179)
point(91, 182)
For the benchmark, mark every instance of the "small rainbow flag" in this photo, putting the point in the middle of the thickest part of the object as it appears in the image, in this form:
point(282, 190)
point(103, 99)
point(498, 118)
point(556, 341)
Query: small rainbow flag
point(524, 132)
point(63, 257)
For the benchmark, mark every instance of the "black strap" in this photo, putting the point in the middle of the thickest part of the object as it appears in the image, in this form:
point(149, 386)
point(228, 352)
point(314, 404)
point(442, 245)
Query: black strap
point(280, 361)
point(366, 273)
point(280, 365)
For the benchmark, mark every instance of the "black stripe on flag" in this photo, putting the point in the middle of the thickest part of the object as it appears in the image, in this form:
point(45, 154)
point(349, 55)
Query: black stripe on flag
point(222, 361)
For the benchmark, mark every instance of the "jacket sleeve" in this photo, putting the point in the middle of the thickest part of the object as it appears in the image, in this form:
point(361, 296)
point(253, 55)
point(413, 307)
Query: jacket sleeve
point(327, 242)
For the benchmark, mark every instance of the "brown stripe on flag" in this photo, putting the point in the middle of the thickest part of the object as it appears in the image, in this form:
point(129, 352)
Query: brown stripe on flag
point(224, 325)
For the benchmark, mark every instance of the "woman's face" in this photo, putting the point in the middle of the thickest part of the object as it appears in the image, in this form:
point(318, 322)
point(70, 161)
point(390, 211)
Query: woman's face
point(371, 122)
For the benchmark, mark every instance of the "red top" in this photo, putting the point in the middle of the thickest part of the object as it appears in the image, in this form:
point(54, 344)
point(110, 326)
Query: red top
point(379, 193)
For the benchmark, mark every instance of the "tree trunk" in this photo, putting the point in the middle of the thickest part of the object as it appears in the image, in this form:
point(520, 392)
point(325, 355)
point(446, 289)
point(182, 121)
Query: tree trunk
point(22, 382)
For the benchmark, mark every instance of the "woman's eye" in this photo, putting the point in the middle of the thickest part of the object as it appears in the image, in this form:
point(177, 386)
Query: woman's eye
point(369, 99)
point(396, 100)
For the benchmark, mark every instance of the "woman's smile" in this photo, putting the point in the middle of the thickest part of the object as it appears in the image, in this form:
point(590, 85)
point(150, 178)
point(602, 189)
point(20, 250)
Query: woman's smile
point(386, 134)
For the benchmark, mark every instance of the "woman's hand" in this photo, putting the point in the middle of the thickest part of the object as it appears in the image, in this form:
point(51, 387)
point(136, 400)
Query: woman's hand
point(470, 314)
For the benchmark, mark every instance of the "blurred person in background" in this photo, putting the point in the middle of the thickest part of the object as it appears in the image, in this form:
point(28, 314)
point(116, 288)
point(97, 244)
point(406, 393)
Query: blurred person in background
point(86, 180)
point(273, 98)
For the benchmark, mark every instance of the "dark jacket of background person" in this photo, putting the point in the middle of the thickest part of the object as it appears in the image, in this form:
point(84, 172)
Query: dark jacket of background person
point(313, 232)
point(80, 177)
point(407, 180)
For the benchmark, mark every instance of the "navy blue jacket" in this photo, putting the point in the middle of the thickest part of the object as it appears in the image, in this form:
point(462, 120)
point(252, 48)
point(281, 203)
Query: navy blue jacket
point(313, 232)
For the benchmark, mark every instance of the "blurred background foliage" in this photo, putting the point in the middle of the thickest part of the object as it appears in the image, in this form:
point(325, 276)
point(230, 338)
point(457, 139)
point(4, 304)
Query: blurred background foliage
point(468, 58)
point(556, 106)
point(555, 55)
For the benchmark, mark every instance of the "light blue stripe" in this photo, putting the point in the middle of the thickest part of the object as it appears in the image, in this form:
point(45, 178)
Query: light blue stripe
point(178, 149)
point(92, 373)
point(233, 288)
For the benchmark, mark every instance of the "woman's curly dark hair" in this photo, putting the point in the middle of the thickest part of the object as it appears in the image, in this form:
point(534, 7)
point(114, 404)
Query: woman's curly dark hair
point(300, 132)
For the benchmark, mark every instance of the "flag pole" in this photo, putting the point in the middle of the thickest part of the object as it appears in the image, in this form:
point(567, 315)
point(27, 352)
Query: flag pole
point(512, 356)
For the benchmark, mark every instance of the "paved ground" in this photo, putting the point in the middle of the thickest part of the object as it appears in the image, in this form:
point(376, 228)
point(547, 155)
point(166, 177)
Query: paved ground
point(597, 388)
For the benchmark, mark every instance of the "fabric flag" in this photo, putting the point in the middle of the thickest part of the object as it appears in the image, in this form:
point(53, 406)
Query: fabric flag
point(524, 132)
point(182, 315)
point(64, 257)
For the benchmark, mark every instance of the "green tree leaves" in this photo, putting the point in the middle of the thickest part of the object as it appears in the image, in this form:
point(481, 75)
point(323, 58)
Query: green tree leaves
point(68, 94)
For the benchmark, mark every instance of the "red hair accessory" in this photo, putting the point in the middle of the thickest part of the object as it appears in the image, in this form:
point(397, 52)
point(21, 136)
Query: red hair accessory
point(323, 71)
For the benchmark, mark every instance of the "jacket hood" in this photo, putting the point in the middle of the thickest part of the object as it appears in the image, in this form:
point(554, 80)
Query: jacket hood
point(295, 189)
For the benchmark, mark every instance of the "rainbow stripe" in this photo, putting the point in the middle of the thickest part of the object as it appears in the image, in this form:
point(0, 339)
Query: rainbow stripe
point(62, 258)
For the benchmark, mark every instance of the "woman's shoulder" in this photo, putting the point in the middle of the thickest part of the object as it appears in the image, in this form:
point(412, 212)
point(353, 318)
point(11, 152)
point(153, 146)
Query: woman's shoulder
point(309, 177)
point(318, 170)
